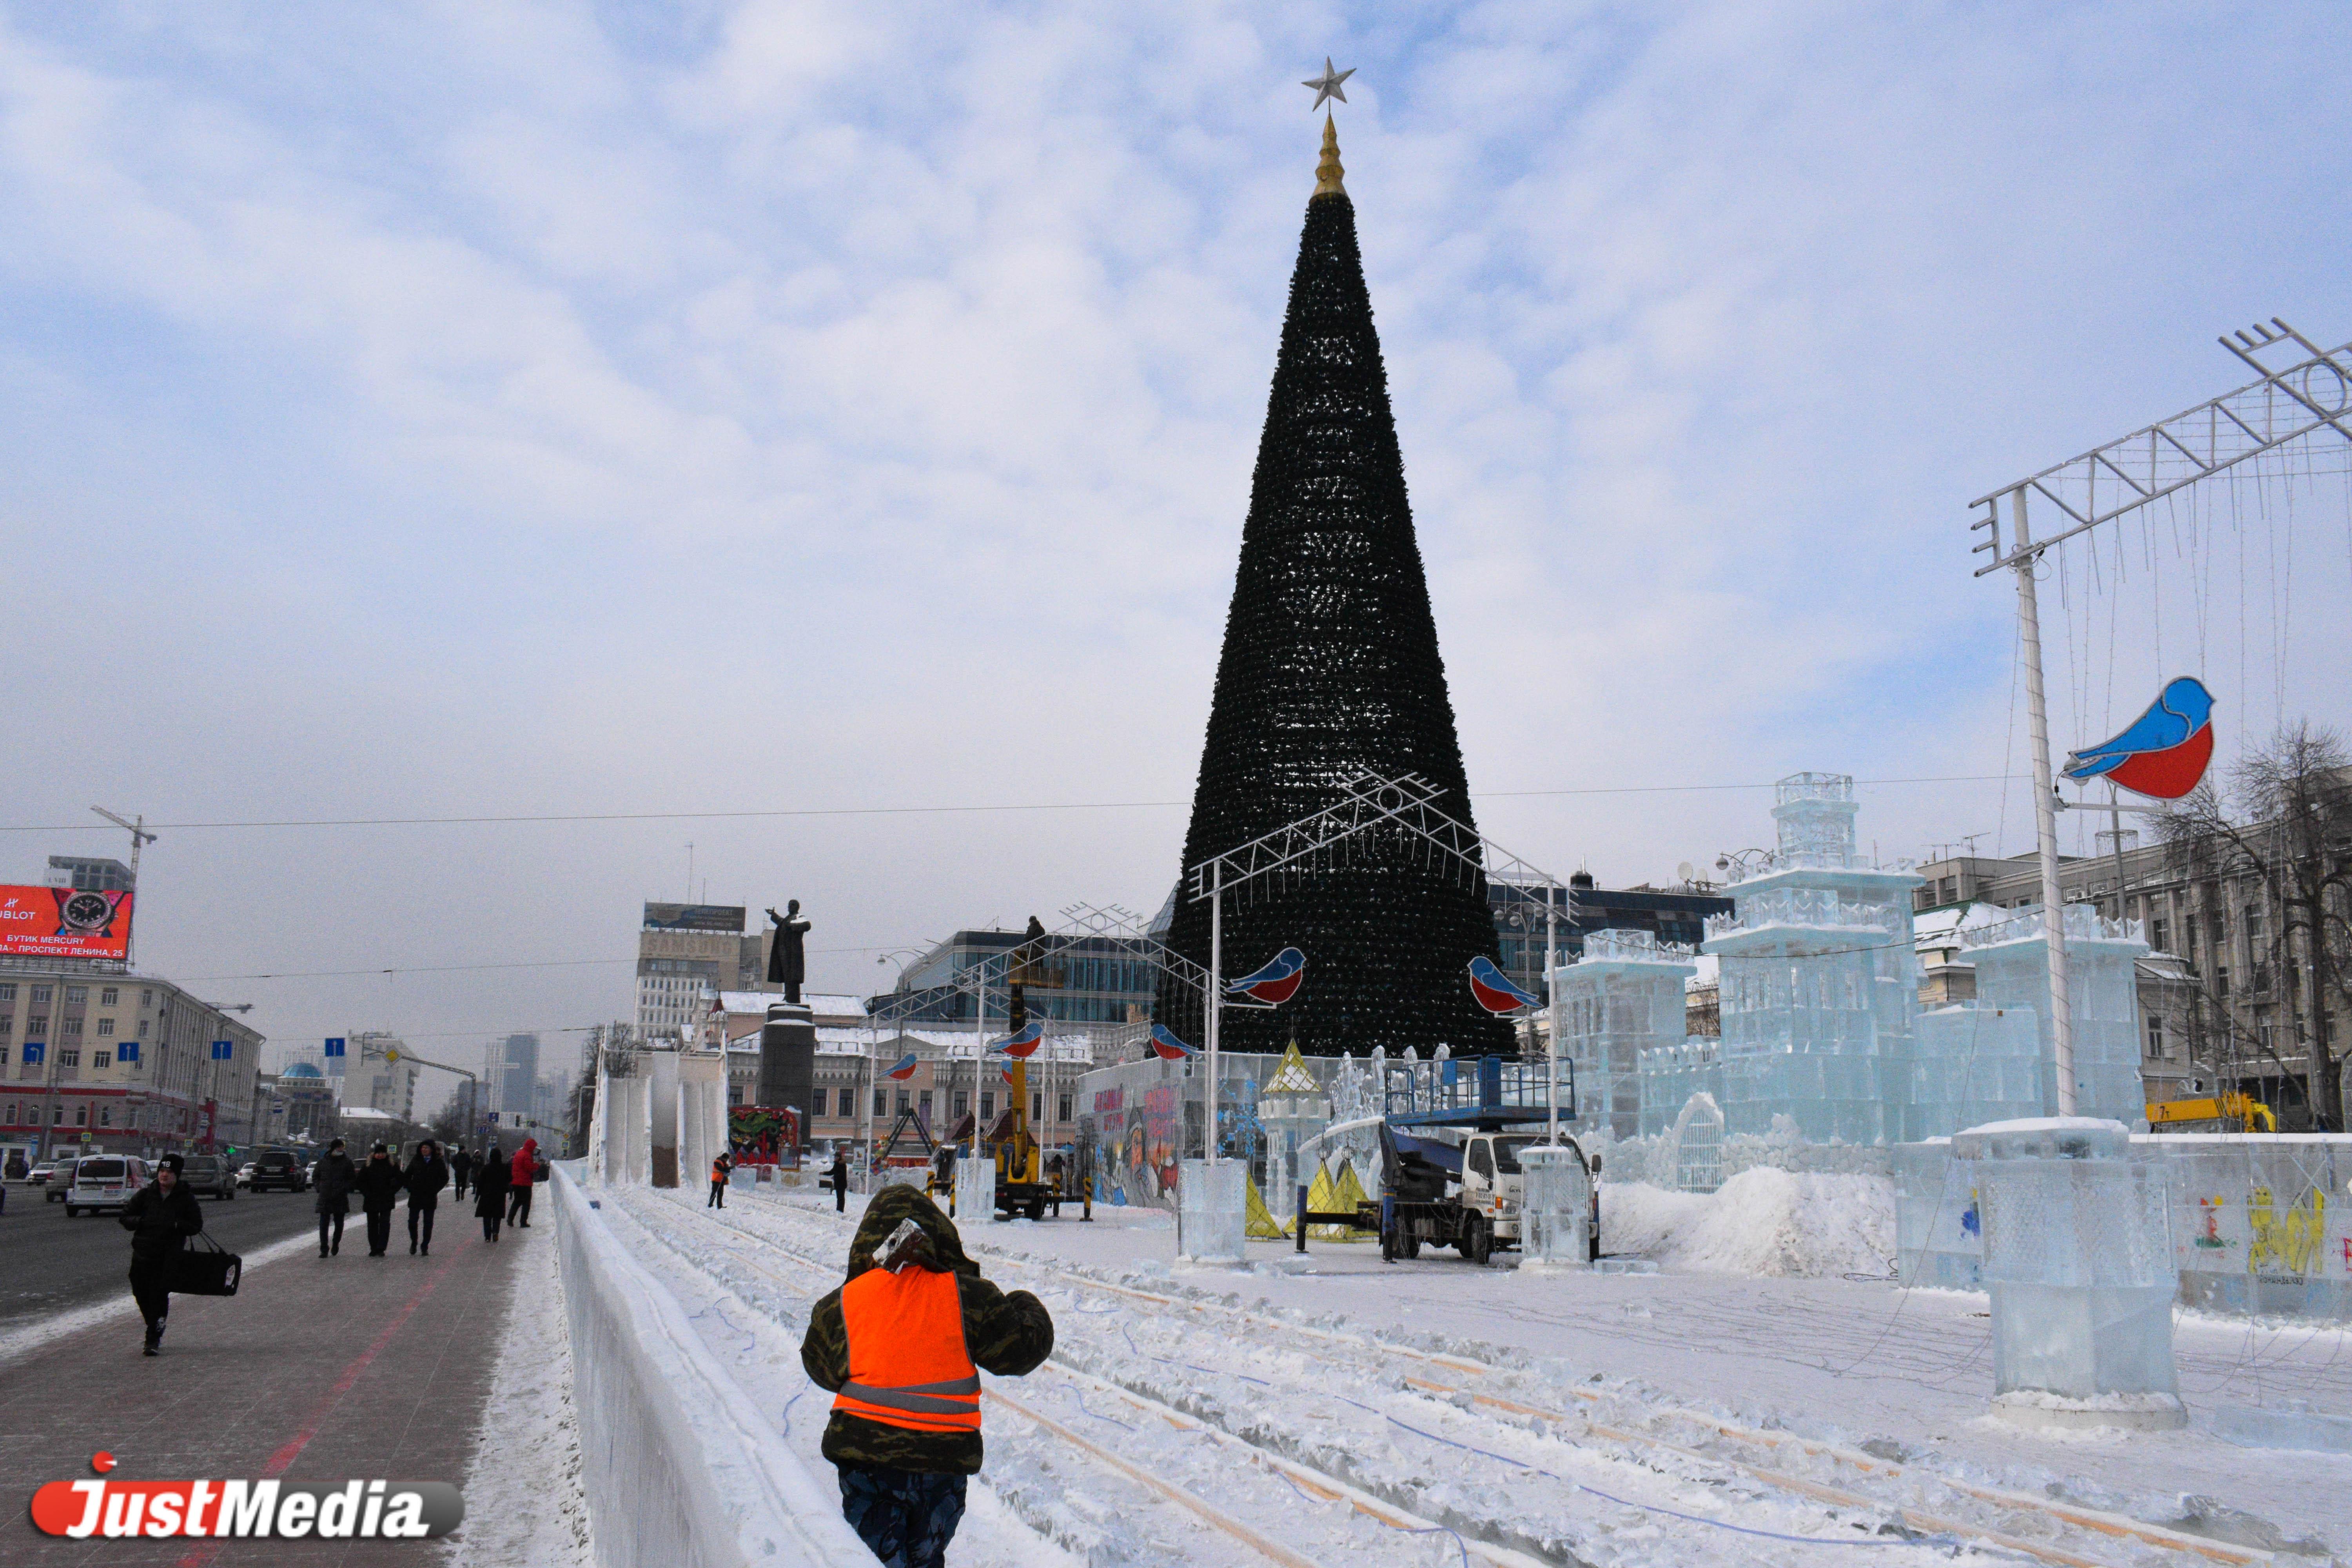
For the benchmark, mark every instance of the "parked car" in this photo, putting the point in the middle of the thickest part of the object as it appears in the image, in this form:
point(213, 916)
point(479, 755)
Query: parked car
point(279, 1168)
point(208, 1175)
point(50, 1176)
point(103, 1181)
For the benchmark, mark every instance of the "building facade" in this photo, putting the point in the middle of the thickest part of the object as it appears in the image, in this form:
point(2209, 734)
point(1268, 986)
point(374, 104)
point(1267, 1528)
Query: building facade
point(688, 954)
point(95, 1056)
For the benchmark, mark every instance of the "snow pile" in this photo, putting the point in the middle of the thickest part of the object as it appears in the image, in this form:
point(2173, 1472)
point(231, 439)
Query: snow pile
point(524, 1499)
point(1762, 1222)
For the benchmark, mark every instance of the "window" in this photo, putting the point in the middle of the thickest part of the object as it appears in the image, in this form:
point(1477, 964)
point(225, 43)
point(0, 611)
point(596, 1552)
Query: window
point(105, 1027)
point(8, 1024)
point(69, 1058)
point(8, 992)
point(70, 1025)
point(74, 994)
point(905, 1099)
point(2156, 1036)
point(1062, 1108)
point(108, 996)
point(82, 1116)
point(41, 993)
point(142, 1029)
point(101, 1060)
point(2221, 981)
point(105, 1117)
point(1036, 1105)
point(880, 1105)
point(2157, 932)
point(925, 1105)
point(146, 998)
point(734, 1094)
point(987, 1104)
point(962, 1103)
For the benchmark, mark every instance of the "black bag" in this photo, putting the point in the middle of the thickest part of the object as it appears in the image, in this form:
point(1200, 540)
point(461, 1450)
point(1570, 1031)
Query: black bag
point(539, 1171)
point(211, 1271)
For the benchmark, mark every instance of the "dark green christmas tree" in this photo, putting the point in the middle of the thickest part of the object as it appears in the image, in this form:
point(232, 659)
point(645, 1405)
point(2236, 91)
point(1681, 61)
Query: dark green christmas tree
point(1330, 667)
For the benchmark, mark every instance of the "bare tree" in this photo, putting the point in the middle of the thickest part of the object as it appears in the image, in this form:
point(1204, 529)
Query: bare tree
point(2289, 843)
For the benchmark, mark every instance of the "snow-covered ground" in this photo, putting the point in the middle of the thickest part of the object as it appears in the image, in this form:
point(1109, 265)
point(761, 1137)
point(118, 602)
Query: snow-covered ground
point(524, 1503)
point(1343, 1410)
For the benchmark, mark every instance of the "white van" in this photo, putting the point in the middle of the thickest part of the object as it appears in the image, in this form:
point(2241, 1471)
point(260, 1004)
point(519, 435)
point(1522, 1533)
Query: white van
point(105, 1181)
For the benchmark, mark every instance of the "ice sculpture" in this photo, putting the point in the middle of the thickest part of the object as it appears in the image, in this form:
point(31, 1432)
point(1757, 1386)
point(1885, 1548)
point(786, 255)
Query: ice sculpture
point(1556, 1210)
point(2012, 961)
point(1212, 1211)
point(975, 1190)
point(1817, 976)
point(1623, 998)
point(1672, 1074)
point(2078, 1258)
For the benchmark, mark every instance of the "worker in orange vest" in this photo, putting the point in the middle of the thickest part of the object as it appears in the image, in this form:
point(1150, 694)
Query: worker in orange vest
point(901, 1346)
point(719, 1169)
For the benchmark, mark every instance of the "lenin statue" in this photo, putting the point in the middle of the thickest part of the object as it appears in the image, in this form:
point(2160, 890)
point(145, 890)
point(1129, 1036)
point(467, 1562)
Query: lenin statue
point(788, 953)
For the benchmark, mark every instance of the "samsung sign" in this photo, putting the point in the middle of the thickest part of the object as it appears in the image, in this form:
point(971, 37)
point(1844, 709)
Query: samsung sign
point(726, 918)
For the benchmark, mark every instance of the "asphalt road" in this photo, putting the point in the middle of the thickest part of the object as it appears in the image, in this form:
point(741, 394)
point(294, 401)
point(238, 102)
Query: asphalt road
point(49, 1263)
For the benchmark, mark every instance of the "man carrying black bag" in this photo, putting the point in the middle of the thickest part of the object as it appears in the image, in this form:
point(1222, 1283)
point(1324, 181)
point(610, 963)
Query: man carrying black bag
point(160, 1216)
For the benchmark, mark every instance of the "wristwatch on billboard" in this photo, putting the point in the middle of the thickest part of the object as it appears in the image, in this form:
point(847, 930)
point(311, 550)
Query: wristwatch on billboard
point(86, 913)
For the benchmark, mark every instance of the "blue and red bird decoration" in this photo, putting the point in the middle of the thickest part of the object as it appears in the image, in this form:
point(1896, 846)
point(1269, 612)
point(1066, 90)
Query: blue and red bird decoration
point(2164, 752)
point(1493, 989)
point(1275, 984)
point(1169, 1048)
point(905, 1068)
point(1023, 1045)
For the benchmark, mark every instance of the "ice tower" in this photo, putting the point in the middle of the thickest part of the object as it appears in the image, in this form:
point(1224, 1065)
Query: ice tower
point(2012, 960)
point(1620, 999)
point(1818, 977)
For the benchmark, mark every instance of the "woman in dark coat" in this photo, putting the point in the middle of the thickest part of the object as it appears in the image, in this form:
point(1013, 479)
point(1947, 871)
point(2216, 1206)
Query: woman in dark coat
point(378, 1183)
point(427, 1175)
point(331, 1181)
point(461, 1165)
point(491, 1194)
point(159, 1216)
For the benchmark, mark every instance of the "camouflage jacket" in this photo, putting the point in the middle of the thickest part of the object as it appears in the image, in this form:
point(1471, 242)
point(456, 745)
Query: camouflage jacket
point(1005, 1334)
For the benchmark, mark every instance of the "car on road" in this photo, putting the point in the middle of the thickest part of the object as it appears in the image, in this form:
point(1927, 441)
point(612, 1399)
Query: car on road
point(103, 1181)
point(208, 1175)
point(245, 1174)
point(51, 1176)
point(279, 1168)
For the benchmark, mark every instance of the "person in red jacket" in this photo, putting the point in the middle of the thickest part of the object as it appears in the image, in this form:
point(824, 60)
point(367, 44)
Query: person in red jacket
point(524, 1171)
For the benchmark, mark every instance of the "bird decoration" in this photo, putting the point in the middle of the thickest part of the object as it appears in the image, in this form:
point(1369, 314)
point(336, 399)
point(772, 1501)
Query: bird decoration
point(1494, 990)
point(1275, 984)
point(1167, 1046)
point(904, 1068)
point(2163, 752)
point(1023, 1044)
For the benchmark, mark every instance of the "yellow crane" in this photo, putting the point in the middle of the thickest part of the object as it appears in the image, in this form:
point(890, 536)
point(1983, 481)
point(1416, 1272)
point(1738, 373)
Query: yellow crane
point(2217, 1113)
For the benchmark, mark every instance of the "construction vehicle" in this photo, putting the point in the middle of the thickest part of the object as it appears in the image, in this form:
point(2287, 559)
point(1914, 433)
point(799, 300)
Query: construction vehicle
point(1450, 1148)
point(2215, 1113)
point(1024, 1186)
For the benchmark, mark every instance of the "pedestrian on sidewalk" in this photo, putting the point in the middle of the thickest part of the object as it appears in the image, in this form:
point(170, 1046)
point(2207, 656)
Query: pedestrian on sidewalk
point(378, 1183)
point(427, 1175)
point(519, 1180)
point(839, 1176)
point(332, 1183)
point(159, 1216)
point(490, 1193)
point(719, 1169)
point(461, 1165)
point(914, 1314)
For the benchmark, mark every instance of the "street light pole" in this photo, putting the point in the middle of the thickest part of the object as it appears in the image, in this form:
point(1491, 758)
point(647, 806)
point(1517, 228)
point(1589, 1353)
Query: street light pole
point(2045, 807)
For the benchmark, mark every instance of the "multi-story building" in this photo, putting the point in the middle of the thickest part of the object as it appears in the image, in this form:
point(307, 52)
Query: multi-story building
point(687, 953)
point(89, 874)
point(371, 1082)
point(298, 1105)
point(1084, 979)
point(90, 1053)
point(2225, 1003)
point(516, 1091)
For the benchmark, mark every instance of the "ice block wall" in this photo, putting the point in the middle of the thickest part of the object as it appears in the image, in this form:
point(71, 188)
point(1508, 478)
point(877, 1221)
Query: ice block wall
point(1671, 1075)
point(1622, 999)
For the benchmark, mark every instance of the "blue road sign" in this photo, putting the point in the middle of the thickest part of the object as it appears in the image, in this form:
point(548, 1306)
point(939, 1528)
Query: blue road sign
point(224, 1051)
point(128, 1051)
point(334, 1044)
point(36, 1052)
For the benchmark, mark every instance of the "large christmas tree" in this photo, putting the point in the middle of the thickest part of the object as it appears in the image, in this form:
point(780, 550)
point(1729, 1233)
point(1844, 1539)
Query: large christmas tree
point(1330, 667)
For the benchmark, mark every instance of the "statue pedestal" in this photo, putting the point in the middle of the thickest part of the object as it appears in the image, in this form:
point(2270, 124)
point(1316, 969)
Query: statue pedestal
point(788, 1060)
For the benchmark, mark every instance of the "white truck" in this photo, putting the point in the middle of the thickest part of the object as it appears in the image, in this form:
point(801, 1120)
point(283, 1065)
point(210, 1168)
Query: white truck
point(1464, 1195)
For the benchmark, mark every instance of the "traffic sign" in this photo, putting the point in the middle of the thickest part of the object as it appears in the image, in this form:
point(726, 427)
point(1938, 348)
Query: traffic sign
point(335, 1045)
point(224, 1051)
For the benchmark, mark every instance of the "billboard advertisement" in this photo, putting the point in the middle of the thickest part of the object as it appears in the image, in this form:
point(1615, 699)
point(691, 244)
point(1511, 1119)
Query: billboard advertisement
point(64, 922)
point(727, 918)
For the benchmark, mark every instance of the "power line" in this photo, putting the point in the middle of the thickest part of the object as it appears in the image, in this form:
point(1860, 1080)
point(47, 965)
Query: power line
point(885, 810)
point(455, 968)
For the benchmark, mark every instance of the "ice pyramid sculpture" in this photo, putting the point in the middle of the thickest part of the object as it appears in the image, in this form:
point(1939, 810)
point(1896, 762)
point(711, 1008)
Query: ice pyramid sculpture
point(1819, 977)
point(1622, 999)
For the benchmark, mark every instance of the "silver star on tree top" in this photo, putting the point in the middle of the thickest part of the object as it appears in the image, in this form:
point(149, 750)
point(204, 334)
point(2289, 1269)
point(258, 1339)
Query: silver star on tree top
point(1328, 84)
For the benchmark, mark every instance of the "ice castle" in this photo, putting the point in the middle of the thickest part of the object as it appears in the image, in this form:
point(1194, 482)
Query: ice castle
point(1820, 1003)
point(1623, 998)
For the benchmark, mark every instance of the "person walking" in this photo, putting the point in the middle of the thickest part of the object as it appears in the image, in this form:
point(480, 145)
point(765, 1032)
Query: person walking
point(490, 1193)
point(461, 1165)
point(900, 1346)
point(519, 1180)
point(719, 1169)
point(378, 1183)
point(839, 1175)
point(331, 1182)
point(159, 1216)
point(427, 1175)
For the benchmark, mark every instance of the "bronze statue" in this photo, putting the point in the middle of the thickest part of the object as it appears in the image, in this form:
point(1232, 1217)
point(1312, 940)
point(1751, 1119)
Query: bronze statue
point(788, 953)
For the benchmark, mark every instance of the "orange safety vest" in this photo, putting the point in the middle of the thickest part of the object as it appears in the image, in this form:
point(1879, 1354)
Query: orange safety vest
point(717, 1171)
point(907, 1364)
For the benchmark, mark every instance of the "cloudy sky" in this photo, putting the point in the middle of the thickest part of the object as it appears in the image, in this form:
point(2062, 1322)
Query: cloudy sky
point(453, 410)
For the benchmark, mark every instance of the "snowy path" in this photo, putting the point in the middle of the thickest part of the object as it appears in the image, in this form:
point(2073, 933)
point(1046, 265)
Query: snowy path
point(1320, 1439)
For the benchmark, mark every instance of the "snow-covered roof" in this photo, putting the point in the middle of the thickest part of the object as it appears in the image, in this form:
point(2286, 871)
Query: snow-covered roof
point(365, 1113)
point(824, 1004)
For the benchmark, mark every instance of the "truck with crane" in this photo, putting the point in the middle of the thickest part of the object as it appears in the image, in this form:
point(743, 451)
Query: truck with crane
point(1450, 1154)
